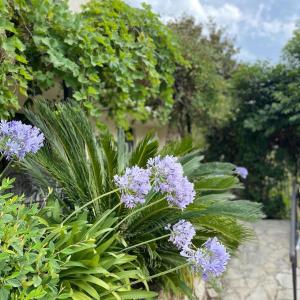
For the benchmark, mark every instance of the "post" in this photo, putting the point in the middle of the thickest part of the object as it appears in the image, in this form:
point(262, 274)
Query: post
point(294, 236)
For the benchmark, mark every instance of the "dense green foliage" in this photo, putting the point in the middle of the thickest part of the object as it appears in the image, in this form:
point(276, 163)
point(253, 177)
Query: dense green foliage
point(291, 50)
point(264, 135)
point(14, 73)
point(28, 267)
point(110, 57)
point(41, 257)
point(80, 166)
point(202, 87)
point(92, 263)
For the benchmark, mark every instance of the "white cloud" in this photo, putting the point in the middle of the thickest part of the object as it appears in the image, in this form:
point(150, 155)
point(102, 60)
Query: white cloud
point(240, 21)
point(260, 24)
point(169, 9)
point(227, 14)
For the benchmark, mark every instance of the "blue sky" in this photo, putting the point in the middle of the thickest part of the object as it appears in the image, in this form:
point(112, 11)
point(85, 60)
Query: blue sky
point(260, 28)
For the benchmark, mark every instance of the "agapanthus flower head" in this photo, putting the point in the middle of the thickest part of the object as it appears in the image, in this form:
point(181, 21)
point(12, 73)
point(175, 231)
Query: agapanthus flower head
point(17, 139)
point(182, 234)
point(167, 175)
point(241, 171)
point(134, 185)
point(210, 260)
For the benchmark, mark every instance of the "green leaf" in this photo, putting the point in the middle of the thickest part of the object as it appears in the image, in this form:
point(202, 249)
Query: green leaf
point(37, 293)
point(104, 246)
point(36, 280)
point(217, 182)
point(87, 288)
point(21, 59)
point(4, 293)
point(80, 296)
point(130, 295)
point(97, 281)
point(89, 244)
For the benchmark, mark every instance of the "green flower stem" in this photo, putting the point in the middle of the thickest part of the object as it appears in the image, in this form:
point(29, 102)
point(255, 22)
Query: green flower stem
point(145, 242)
point(87, 204)
point(138, 210)
point(147, 279)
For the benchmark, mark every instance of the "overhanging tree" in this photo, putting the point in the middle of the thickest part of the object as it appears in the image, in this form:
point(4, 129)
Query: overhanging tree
point(265, 134)
point(202, 88)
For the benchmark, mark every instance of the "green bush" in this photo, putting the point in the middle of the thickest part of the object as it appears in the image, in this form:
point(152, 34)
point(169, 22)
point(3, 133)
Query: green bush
point(29, 268)
point(202, 95)
point(264, 135)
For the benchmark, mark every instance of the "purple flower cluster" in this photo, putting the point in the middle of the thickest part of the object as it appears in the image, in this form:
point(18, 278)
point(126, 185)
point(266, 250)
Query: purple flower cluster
point(241, 171)
point(168, 178)
point(210, 261)
point(134, 185)
point(18, 139)
point(182, 234)
point(166, 175)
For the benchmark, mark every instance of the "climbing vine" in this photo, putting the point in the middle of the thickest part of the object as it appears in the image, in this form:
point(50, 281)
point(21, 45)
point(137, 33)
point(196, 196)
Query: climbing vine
point(110, 57)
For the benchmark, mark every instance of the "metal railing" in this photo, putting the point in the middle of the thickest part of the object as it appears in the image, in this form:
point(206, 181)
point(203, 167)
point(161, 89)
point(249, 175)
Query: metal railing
point(294, 236)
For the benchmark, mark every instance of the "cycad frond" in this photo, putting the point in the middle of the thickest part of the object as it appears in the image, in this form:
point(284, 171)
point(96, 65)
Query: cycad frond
point(144, 150)
point(83, 167)
point(178, 148)
point(227, 229)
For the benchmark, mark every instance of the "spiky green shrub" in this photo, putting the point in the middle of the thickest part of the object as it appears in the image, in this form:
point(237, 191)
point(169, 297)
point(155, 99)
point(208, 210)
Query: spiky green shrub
point(81, 166)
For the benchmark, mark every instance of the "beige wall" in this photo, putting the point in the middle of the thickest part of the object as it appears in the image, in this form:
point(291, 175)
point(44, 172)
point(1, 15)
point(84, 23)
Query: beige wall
point(75, 4)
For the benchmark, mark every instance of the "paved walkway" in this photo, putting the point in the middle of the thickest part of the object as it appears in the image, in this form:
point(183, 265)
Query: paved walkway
point(261, 270)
